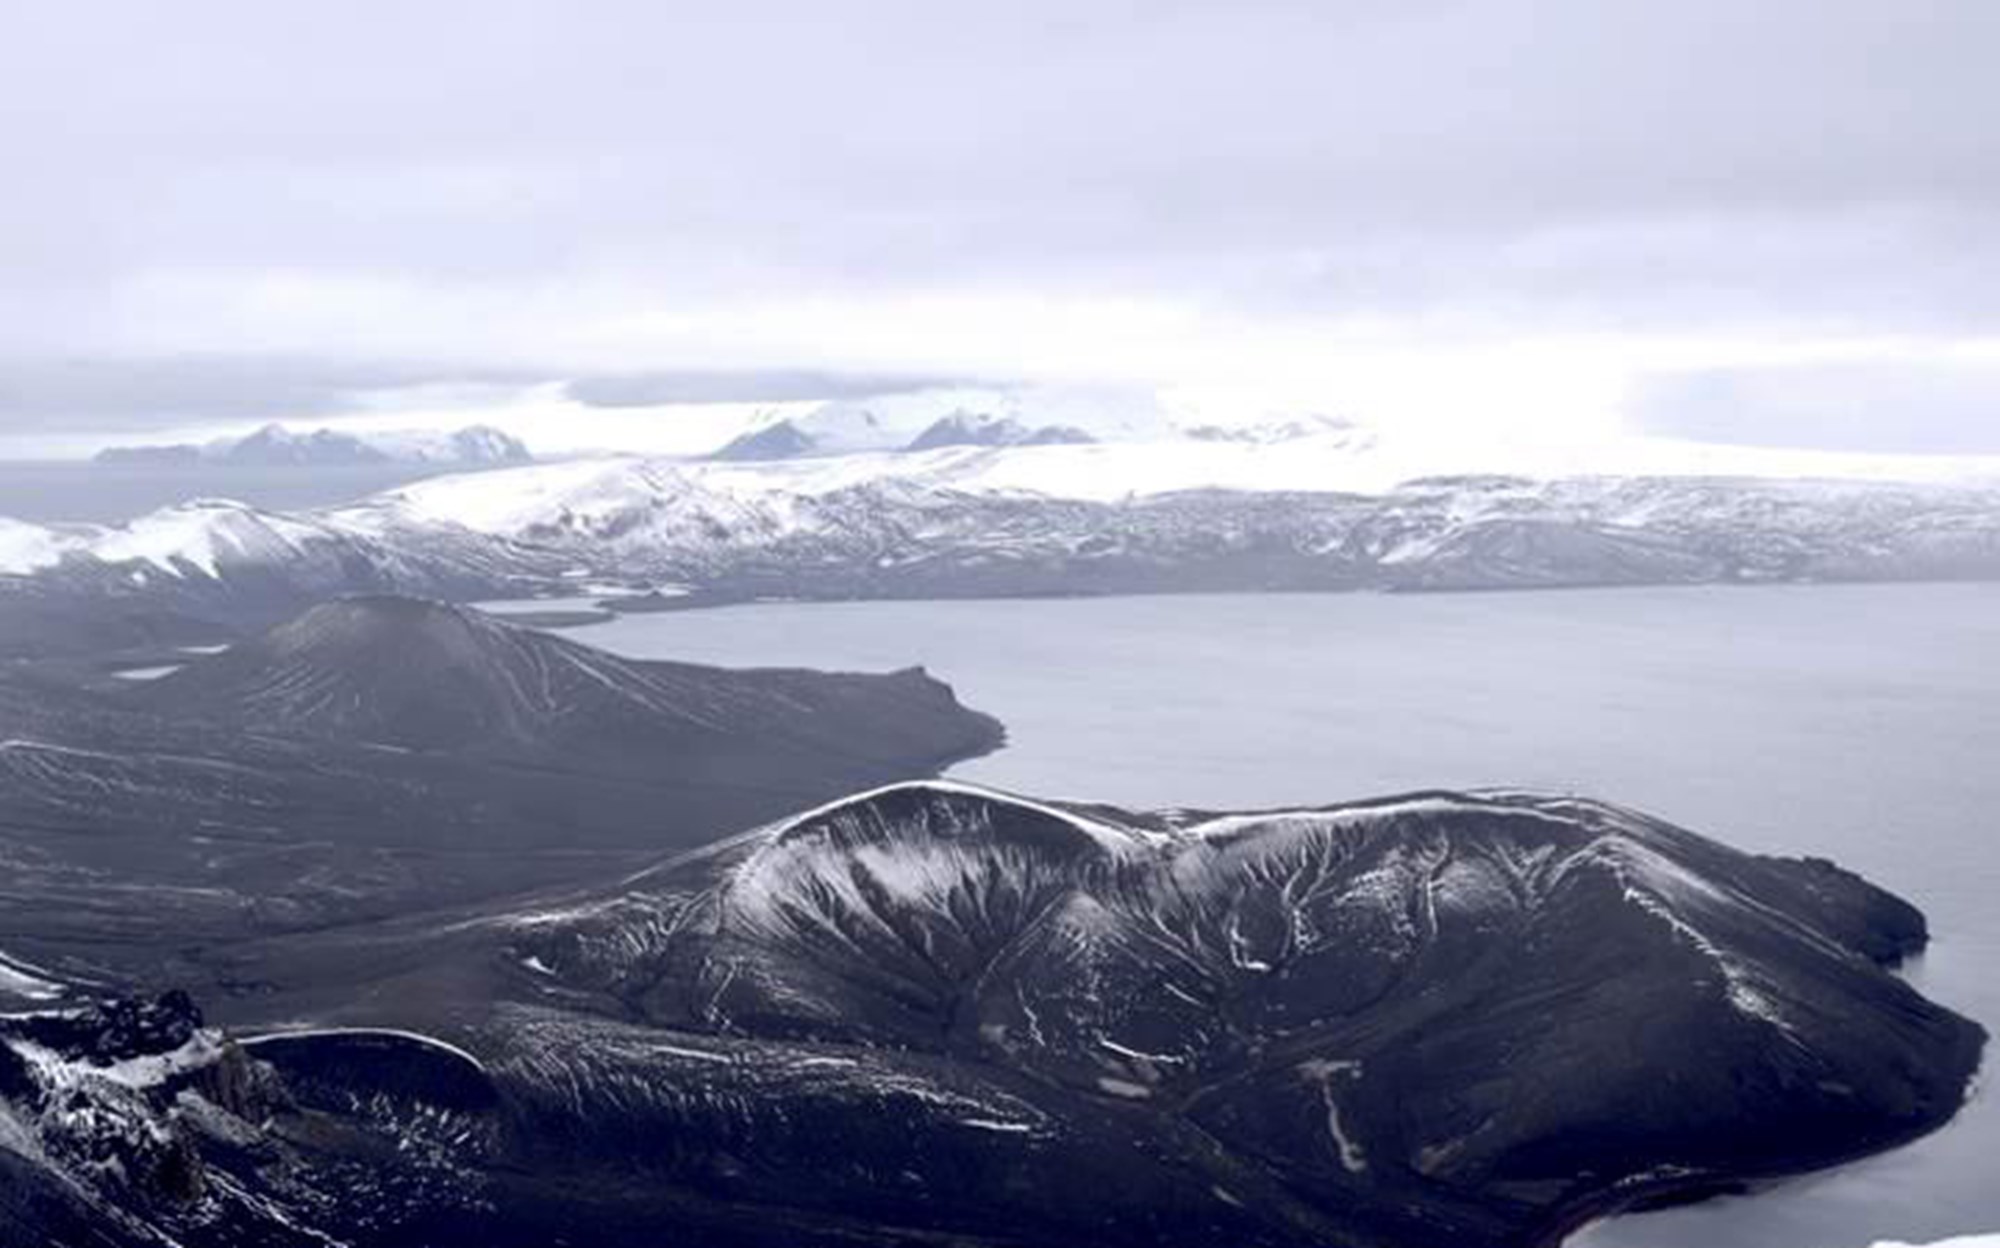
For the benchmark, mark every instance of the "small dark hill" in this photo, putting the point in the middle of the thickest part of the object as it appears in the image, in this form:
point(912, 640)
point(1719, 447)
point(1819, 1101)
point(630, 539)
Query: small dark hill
point(427, 676)
point(783, 440)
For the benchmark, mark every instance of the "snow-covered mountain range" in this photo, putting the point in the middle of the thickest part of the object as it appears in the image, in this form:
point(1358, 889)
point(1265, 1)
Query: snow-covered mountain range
point(1001, 509)
point(926, 420)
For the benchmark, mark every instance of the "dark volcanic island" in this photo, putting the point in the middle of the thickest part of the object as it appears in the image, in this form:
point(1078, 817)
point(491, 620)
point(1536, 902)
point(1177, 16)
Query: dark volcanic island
point(928, 1014)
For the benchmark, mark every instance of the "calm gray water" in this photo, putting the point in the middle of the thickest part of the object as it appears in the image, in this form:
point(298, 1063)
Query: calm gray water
point(1859, 722)
point(46, 493)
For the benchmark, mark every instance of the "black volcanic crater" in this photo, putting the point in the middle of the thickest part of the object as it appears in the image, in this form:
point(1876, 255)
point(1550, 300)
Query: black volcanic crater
point(937, 1014)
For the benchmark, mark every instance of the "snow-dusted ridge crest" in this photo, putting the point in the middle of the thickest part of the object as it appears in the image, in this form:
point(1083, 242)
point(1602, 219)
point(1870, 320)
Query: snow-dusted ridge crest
point(826, 836)
point(1166, 829)
point(944, 846)
point(1112, 836)
point(931, 842)
point(392, 1034)
point(930, 836)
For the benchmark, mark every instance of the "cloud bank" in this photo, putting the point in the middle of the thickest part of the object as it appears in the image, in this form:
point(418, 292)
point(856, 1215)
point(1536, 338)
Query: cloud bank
point(250, 210)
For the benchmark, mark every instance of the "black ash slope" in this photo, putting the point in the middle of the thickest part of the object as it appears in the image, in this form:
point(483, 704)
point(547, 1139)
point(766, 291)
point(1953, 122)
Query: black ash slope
point(936, 1014)
point(425, 675)
point(381, 756)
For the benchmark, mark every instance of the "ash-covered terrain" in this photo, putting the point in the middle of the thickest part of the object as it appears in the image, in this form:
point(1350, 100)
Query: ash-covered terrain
point(379, 756)
point(936, 1014)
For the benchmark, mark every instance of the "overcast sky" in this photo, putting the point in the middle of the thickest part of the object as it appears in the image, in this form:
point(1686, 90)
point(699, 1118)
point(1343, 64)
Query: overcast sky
point(1704, 217)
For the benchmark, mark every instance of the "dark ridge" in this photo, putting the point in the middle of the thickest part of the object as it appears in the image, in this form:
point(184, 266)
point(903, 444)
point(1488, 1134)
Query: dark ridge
point(972, 429)
point(783, 440)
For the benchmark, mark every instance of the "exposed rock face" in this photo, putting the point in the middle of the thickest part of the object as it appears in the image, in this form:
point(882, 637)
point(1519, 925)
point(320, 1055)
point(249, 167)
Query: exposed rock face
point(94, 1094)
point(176, 1135)
point(935, 1013)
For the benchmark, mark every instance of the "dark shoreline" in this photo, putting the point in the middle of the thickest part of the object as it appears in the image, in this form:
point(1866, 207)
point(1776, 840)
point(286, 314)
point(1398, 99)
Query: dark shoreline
point(1687, 1190)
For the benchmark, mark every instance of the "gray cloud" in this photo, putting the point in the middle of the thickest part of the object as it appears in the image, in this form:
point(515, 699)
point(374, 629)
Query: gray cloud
point(742, 386)
point(1937, 408)
point(1707, 166)
point(120, 393)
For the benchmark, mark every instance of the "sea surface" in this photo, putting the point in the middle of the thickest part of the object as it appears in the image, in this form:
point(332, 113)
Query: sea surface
point(69, 491)
point(1857, 722)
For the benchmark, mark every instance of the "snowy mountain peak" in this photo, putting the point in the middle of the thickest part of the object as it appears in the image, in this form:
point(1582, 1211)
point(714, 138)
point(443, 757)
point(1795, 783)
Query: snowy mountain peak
point(952, 416)
point(203, 536)
point(977, 429)
point(26, 548)
point(471, 445)
point(275, 444)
